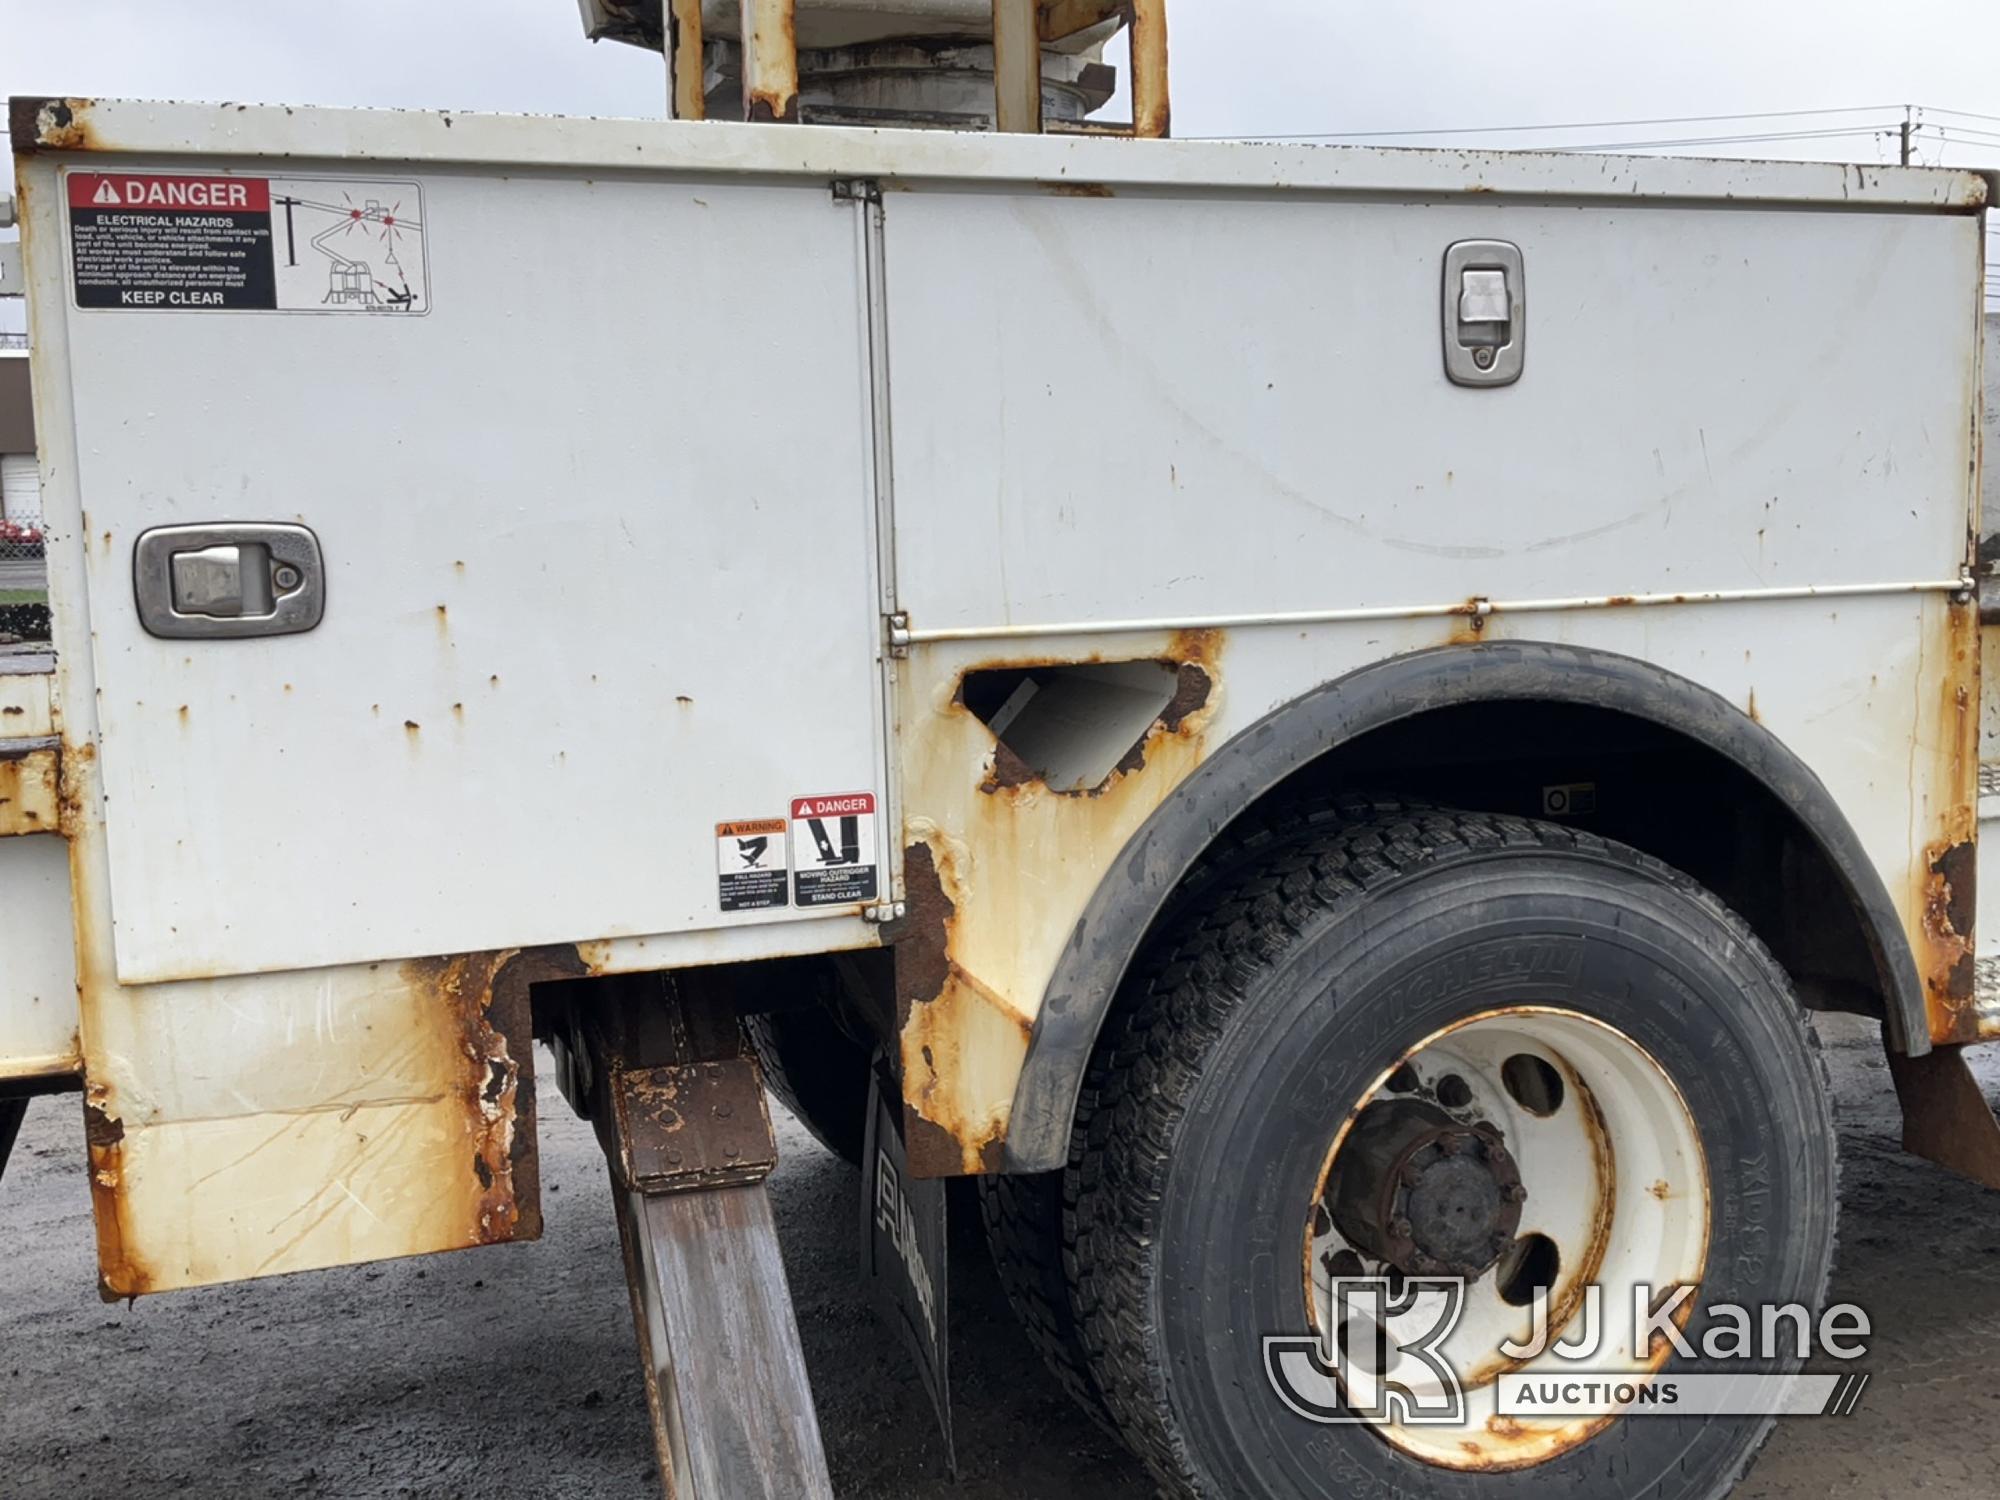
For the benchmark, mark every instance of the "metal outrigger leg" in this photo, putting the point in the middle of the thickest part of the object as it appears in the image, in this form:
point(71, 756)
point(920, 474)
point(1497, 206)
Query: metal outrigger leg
point(678, 1103)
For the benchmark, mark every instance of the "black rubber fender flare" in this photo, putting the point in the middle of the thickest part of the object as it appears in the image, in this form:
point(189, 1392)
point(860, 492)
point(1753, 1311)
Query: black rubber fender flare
point(1293, 735)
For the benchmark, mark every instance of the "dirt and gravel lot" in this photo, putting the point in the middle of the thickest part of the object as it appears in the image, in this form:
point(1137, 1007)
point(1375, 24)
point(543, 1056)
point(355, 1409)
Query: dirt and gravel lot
point(512, 1371)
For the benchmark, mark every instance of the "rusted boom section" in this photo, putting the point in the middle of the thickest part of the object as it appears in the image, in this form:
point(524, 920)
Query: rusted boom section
point(770, 58)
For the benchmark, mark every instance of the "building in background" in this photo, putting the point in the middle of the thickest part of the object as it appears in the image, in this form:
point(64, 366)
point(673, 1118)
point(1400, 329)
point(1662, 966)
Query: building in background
point(24, 612)
point(20, 486)
point(1991, 445)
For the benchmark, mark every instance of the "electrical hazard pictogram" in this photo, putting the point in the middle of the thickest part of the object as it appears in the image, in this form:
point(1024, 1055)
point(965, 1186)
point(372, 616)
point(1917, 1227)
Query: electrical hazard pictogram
point(750, 868)
point(175, 242)
point(353, 246)
point(833, 849)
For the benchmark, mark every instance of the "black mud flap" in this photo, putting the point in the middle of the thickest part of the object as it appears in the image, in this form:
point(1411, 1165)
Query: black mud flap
point(11, 1113)
point(903, 1248)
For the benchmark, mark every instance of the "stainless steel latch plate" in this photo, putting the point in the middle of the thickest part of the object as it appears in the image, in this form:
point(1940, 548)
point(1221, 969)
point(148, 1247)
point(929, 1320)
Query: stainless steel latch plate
point(1485, 312)
point(222, 581)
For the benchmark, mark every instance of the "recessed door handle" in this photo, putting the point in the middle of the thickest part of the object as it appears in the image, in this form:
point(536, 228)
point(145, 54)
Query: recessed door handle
point(1485, 313)
point(223, 581)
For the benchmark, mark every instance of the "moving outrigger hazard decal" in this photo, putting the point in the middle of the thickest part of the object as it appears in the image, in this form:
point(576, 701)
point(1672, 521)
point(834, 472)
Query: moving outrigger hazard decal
point(178, 242)
point(750, 866)
point(833, 849)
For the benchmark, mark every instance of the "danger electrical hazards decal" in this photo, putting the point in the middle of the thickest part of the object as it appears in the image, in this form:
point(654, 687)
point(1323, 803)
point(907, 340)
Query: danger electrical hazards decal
point(176, 242)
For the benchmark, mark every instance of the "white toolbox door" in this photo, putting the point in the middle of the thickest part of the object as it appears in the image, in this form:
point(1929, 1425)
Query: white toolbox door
point(588, 464)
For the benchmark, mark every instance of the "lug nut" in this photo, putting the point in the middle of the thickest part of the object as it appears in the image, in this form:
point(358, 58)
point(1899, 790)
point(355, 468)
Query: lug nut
point(1516, 1193)
point(1399, 1229)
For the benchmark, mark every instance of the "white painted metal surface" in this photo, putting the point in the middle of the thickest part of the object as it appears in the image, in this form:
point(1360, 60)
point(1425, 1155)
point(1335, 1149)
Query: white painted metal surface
point(598, 558)
point(637, 594)
point(143, 128)
point(1253, 387)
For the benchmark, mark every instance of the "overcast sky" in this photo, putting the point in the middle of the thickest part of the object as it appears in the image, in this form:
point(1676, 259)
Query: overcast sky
point(1239, 66)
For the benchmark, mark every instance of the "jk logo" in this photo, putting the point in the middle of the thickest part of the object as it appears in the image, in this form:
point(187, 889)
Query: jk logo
point(1378, 1359)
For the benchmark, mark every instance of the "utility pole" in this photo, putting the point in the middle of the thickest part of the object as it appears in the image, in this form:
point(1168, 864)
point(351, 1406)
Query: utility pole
point(1909, 127)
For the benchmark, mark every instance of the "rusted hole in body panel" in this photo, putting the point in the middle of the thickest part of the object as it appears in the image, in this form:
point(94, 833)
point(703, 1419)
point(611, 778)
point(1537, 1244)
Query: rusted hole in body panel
point(1006, 859)
point(50, 125)
point(1073, 727)
point(1949, 893)
point(120, 1274)
point(924, 989)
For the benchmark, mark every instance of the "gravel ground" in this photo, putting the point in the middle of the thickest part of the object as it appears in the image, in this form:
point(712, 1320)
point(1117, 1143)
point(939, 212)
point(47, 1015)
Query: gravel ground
point(512, 1370)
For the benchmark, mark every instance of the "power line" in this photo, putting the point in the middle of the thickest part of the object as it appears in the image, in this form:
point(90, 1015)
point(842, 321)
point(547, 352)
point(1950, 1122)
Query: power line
point(1380, 135)
point(1734, 140)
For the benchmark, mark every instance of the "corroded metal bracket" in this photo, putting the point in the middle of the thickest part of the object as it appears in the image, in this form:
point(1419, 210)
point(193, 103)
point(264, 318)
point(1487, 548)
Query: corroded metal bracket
point(683, 1128)
point(30, 786)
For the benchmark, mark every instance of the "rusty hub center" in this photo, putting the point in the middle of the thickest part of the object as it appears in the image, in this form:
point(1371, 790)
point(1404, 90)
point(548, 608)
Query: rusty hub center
point(1427, 1193)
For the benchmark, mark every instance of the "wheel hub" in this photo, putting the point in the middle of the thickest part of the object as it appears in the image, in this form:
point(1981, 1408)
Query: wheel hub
point(1427, 1193)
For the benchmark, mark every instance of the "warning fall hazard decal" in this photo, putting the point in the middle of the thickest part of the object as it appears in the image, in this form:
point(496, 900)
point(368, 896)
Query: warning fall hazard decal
point(175, 242)
point(750, 869)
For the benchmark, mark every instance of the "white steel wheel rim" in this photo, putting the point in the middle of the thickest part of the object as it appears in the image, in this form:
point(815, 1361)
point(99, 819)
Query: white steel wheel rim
point(1615, 1180)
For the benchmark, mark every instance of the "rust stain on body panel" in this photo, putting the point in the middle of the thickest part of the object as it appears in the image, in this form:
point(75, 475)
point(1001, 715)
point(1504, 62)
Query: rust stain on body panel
point(1946, 770)
point(371, 1112)
point(29, 789)
point(997, 868)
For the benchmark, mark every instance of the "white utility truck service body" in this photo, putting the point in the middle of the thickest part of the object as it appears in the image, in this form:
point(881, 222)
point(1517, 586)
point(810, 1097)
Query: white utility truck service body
point(653, 489)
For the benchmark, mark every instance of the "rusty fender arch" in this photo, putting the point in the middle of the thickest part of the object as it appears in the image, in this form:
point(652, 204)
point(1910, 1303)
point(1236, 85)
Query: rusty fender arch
point(1290, 737)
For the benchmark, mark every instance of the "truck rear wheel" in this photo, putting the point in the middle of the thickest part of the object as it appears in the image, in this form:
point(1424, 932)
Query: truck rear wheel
point(1442, 1044)
point(818, 1072)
